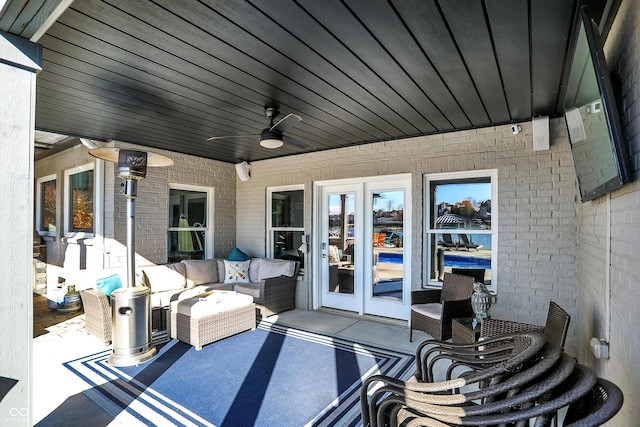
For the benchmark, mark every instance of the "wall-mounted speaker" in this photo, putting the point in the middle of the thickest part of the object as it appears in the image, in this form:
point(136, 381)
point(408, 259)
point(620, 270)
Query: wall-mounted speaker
point(243, 169)
point(540, 133)
point(575, 126)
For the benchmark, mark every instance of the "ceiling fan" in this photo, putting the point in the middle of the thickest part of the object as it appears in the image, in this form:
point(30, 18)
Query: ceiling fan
point(270, 137)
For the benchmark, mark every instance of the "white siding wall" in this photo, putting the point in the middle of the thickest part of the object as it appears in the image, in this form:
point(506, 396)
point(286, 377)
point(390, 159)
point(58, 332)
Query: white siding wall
point(537, 201)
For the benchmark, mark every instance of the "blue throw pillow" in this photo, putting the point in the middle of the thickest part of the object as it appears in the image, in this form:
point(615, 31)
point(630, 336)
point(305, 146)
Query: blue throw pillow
point(237, 255)
point(109, 284)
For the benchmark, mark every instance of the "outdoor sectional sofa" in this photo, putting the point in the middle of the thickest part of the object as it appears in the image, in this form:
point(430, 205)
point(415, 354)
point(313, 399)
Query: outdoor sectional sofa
point(270, 282)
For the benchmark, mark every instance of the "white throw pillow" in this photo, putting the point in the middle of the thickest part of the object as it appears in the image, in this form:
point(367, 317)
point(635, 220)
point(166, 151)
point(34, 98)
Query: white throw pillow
point(236, 271)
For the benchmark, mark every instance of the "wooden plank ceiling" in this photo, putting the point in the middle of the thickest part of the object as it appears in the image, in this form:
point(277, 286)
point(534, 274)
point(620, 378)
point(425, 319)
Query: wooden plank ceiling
point(170, 74)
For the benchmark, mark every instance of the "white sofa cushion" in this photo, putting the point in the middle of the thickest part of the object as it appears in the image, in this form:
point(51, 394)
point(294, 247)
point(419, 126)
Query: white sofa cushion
point(163, 299)
point(252, 289)
point(236, 271)
point(265, 268)
point(201, 271)
point(217, 302)
point(432, 310)
point(161, 278)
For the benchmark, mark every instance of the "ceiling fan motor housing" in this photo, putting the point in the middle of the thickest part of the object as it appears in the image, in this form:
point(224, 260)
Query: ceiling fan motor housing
point(267, 133)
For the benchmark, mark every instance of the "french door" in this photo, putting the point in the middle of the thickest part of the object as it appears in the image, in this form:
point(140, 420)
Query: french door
point(361, 263)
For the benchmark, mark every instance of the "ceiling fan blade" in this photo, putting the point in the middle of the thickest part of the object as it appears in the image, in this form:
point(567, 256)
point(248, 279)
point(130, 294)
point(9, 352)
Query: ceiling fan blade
point(252, 135)
point(286, 122)
point(296, 143)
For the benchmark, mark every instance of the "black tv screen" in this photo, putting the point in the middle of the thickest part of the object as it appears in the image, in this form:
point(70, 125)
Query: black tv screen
point(598, 147)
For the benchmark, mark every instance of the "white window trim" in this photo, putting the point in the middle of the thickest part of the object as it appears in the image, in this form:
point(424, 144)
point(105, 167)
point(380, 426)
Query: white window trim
point(208, 230)
point(269, 218)
point(39, 200)
point(492, 174)
point(67, 201)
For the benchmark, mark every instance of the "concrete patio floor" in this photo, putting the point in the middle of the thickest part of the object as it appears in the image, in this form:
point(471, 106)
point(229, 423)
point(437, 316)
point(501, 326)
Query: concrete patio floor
point(58, 338)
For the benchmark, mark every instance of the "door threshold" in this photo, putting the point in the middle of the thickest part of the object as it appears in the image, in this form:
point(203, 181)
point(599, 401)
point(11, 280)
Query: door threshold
point(367, 317)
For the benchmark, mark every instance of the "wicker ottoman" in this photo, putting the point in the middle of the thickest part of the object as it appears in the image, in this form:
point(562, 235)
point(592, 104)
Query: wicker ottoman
point(202, 320)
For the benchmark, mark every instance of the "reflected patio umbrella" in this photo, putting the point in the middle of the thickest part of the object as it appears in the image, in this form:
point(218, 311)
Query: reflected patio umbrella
point(185, 243)
point(451, 219)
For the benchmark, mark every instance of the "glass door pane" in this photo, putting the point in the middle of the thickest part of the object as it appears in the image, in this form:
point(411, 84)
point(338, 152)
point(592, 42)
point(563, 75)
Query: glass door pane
point(340, 249)
point(387, 244)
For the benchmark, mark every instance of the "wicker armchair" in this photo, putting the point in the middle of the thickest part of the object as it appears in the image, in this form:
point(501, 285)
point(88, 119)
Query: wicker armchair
point(277, 294)
point(554, 330)
point(97, 314)
point(432, 310)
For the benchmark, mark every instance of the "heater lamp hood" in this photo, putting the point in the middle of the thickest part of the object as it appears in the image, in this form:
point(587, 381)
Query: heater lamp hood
point(111, 155)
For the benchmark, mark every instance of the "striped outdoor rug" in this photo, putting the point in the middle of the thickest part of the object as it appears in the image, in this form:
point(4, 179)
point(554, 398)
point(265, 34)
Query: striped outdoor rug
point(272, 376)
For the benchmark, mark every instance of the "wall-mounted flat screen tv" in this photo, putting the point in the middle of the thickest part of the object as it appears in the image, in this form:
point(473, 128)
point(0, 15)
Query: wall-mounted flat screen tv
point(599, 150)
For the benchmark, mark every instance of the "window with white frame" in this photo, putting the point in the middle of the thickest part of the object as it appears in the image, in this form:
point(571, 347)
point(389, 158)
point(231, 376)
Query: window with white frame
point(189, 234)
point(79, 197)
point(46, 204)
point(285, 222)
point(461, 231)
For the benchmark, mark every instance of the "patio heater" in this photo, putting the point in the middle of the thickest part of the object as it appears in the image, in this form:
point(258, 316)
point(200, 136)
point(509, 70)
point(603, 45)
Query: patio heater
point(131, 305)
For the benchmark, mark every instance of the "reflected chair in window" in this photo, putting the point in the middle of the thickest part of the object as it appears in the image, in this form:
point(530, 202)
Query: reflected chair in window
point(476, 273)
point(432, 310)
point(447, 242)
point(466, 243)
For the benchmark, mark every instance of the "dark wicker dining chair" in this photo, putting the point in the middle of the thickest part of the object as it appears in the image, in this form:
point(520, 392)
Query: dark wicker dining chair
point(596, 407)
point(554, 330)
point(432, 310)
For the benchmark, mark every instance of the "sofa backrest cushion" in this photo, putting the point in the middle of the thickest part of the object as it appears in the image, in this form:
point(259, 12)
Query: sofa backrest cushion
point(265, 268)
point(168, 277)
point(201, 271)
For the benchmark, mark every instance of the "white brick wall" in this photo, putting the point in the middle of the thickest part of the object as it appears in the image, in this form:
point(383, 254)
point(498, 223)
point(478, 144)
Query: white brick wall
point(152, 203)
point(537, 198)
point(618, 321)
point(151, 214)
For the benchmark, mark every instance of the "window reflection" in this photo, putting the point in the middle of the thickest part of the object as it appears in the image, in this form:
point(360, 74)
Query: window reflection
point(81, 185)
point(388, 243)
point(48, 208)
point(460, 234)
point(287, 225)
point(186, 238)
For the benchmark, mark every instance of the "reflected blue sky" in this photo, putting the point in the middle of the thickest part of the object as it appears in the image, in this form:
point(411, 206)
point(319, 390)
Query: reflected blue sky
point(452, 193)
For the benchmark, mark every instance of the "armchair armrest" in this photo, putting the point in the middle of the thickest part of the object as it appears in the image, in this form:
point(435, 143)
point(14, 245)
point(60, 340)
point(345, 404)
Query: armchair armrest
point(425, 296)
point(456, 309)
point(277, 294)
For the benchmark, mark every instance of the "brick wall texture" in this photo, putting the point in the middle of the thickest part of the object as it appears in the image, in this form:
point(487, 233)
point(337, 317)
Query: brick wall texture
point(152, 217)
point(537, 197)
